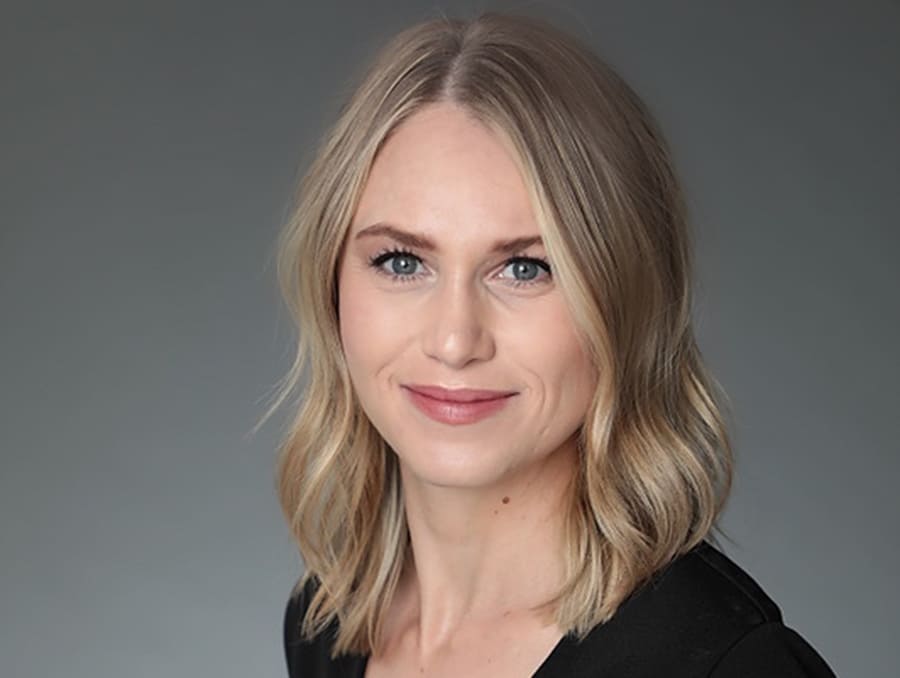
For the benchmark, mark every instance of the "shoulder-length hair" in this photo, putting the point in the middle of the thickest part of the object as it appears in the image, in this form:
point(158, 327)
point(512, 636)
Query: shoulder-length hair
point(655, 458)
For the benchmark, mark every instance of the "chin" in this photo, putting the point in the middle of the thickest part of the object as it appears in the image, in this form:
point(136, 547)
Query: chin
point(464, 466)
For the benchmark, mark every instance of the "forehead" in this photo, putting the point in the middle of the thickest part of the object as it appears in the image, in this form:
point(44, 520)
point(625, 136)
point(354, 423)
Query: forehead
point(444, 173)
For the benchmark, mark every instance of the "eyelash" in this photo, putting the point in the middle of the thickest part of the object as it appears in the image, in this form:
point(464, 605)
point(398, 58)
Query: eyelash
point(386, 255)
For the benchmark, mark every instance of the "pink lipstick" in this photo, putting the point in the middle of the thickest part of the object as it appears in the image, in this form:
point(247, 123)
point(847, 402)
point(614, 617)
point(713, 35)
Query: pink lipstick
point(457, 406)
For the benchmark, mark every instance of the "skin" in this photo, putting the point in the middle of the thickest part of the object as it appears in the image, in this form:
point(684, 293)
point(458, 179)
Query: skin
point(484, 501)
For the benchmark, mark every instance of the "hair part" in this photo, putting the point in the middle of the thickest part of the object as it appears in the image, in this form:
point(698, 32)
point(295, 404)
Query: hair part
point(655, 457)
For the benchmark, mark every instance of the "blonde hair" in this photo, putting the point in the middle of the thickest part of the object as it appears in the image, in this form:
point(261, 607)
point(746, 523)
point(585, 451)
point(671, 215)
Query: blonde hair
point(655, 459)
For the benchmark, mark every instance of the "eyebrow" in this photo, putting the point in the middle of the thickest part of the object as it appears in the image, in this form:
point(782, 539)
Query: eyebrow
point(422, 242)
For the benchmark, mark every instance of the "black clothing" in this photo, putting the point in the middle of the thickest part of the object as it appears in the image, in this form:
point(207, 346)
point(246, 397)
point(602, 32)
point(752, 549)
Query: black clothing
point(701, 616)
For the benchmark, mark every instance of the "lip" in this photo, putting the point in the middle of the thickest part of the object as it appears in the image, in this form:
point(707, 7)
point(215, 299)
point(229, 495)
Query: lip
point(457, 406)
point(458, 395)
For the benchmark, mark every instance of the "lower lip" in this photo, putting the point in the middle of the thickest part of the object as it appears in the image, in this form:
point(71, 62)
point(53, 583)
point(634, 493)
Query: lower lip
point(448, 412)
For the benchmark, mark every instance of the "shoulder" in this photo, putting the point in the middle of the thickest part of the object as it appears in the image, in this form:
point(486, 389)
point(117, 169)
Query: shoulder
point(705, 584)
point(702, 615)
point(311, 657)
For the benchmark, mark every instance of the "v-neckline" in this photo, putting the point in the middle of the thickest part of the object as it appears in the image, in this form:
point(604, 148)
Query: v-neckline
point(555, 660)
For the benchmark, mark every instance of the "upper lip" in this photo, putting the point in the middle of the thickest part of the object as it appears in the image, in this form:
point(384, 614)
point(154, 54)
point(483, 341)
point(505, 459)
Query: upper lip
point(458, 395)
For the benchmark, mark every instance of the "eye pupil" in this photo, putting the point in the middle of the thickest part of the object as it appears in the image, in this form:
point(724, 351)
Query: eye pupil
point(402, 264)
point(527, 268)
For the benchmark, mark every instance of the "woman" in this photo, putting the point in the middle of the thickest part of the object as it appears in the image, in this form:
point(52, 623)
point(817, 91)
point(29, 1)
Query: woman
point(508, 456)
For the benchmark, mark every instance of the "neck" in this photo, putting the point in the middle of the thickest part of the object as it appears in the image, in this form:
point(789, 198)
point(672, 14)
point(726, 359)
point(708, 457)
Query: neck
point(483, 553)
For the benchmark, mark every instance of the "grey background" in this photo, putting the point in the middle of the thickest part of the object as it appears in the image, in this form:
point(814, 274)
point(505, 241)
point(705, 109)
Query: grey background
point(147, 156)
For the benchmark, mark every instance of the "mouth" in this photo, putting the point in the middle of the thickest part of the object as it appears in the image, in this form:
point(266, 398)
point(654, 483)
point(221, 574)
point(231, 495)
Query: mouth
point(457, 406)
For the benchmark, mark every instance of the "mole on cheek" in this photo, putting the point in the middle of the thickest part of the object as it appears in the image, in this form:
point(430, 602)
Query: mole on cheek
point(505, 500)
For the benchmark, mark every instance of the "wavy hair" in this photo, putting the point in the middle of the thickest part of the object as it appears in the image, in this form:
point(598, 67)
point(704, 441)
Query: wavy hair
point(655, 457)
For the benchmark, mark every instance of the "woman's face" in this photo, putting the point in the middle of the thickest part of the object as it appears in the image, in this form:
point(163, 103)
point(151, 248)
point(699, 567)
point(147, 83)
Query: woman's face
point(444, 284)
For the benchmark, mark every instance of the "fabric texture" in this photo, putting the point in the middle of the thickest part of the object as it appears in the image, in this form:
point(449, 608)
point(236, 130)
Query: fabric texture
point(700, 617)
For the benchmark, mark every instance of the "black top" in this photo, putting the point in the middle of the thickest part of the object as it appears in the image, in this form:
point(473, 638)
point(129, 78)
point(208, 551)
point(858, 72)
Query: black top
point(701, 616)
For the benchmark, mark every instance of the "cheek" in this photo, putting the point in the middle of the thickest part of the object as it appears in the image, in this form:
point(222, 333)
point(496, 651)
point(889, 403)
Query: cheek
point(550, 336)
point(368, 326)
point(566, 365)
point(355, 317)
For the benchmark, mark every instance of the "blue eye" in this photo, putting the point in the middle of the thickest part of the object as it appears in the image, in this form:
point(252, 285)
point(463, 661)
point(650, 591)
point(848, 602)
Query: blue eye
point(403, 264)
point(527, 269)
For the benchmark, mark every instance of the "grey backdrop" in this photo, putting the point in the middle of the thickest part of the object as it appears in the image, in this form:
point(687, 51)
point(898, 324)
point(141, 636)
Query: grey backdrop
point(147, 155)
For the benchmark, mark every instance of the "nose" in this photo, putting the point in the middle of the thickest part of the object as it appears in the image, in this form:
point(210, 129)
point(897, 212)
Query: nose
point(456, 330)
